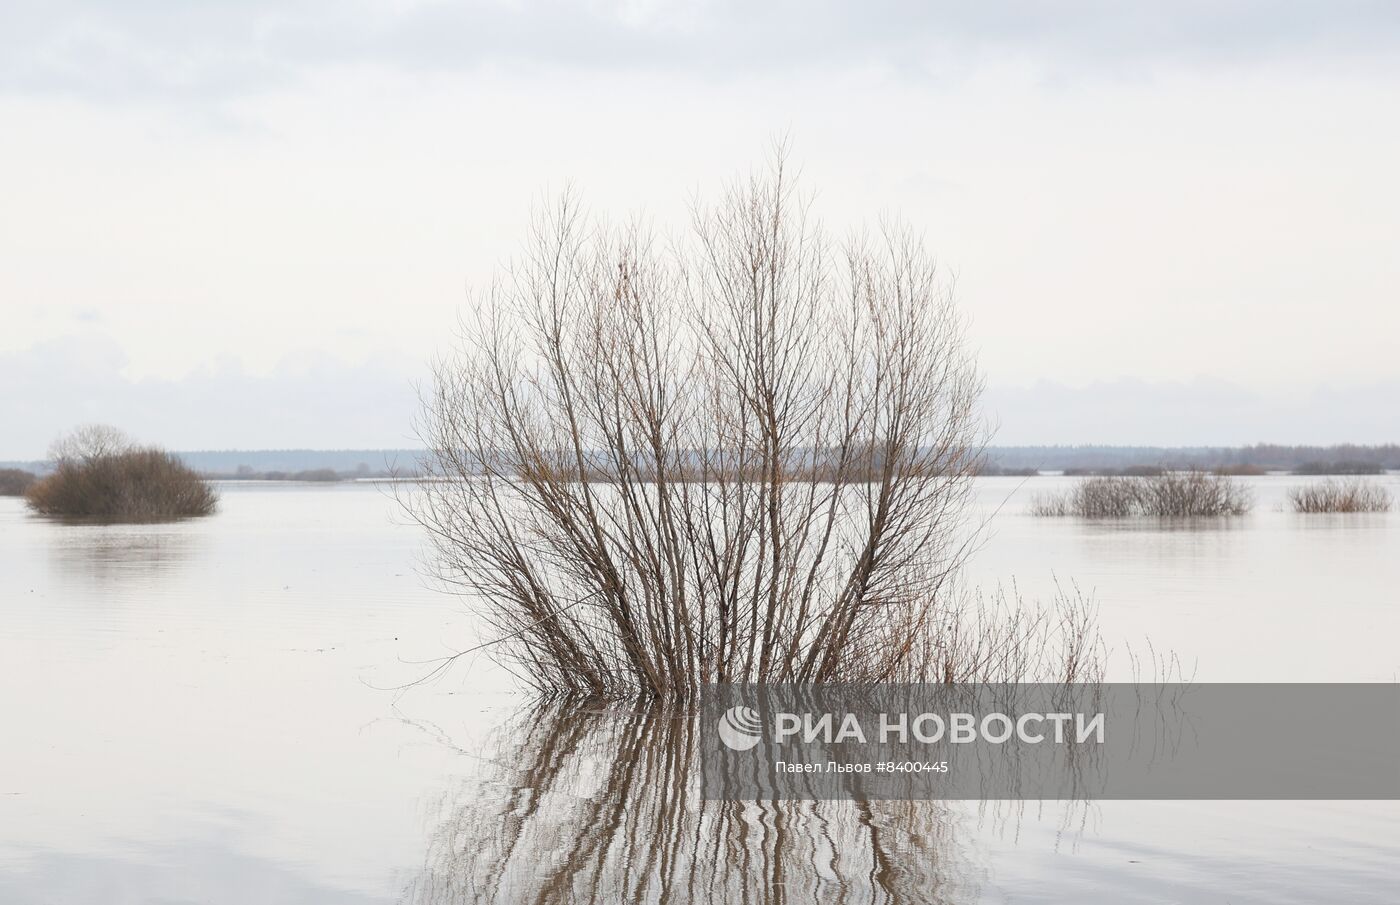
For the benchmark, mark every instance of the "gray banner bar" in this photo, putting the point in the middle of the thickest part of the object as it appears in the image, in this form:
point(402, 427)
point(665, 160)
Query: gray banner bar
point(1109, 741)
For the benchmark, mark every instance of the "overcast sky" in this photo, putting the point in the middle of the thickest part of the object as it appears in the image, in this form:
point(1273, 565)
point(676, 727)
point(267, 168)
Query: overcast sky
point(249, 224)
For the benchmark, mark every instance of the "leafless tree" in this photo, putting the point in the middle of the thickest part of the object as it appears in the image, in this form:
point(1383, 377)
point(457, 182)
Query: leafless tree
point(743, 455)
point(88, 443)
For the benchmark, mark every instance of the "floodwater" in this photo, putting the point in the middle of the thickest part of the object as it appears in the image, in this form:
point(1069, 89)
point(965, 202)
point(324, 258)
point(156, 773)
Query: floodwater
point(204, 712)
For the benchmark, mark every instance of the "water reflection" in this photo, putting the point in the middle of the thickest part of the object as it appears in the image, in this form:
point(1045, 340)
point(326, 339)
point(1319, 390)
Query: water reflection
point(206, 869)
point(604, 806)
point(110, 552)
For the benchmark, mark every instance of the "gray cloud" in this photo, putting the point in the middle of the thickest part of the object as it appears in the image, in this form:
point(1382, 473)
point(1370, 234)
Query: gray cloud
point(177, 50)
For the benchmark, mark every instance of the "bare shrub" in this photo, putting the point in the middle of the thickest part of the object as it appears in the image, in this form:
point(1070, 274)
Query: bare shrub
point(1096, 497)
point(14, 481)
point(1350, 495)
point(1108, 497)
point(1052, 505)
point(1193, 493)
point(1166, 495)
point(998, 637)
point(743, 457)
point(104, 477)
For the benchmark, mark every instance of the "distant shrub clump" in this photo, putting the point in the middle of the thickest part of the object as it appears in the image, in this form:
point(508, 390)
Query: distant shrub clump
point(1243, 471)
point(100, 475)
point(1135, 471)
point(316, 474)
point(992, 470)
point(1346, 467)
point(1352, 495)
point(323, 475)
point(1169, 494)
point(14, 482)
point(245, 472)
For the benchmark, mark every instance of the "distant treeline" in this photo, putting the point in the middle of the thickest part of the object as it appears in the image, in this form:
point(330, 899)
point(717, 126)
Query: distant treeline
point(246, 473)
point(1243, 460)
point(1346, 459)
point(1017, 461)
point(283, 464)
point(15, 481)
point(299, 464)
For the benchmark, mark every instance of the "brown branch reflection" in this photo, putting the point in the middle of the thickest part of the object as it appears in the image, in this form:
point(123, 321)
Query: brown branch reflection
point(604, 806)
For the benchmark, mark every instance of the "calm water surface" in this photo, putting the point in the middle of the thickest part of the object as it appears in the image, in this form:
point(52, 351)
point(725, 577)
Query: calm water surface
point(197, 713)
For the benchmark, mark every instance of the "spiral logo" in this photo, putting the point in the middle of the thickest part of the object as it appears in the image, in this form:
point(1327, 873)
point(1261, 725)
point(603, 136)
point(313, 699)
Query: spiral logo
point(740, 728)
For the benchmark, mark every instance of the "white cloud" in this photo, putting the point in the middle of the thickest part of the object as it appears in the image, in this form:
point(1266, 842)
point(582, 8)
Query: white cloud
point(307, 404)
point(1167, 193)
point(184, 51)
point(1193, 413)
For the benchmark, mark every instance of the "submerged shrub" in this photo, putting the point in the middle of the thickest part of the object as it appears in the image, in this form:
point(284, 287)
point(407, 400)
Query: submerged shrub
point(746, 457)
point(104, 477)
point(1097, 497)
point(1165, 495)
point(1351, 495)
point(1194, 493)
point(14, 482)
